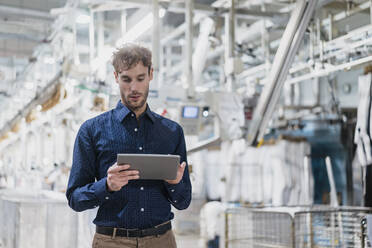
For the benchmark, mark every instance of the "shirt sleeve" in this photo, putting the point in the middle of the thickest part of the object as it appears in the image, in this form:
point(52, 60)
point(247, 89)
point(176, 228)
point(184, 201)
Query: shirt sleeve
point(83, 191)
point(180, 194)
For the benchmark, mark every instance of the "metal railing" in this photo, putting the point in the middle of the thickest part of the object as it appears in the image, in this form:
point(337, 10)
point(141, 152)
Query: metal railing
point(316, 227)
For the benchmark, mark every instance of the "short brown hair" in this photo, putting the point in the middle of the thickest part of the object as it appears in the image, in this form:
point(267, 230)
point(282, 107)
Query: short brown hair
point(129, 56)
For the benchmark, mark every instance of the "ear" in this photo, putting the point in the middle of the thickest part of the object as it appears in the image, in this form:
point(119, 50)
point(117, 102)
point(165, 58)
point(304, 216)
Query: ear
point(151, 73)
point(116, 77)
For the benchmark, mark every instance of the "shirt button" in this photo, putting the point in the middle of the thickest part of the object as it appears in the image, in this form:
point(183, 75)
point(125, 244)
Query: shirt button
point(107, 198)
point(172, 190)
point(132, 115)
point(141, 188)
point(140, 148)
point(142, 209)
point(175, 201)
point(135, 129)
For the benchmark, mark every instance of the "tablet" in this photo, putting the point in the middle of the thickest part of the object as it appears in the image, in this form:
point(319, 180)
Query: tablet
point(152, 166)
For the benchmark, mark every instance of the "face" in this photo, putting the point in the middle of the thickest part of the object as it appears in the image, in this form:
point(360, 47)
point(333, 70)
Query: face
point(134, 87)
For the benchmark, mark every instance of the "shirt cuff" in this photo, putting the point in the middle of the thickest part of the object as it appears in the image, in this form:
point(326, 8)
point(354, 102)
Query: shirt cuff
point(100, 190)
point(174, 188)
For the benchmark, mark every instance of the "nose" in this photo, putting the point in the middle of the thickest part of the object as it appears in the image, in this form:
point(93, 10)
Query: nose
point(134, 87)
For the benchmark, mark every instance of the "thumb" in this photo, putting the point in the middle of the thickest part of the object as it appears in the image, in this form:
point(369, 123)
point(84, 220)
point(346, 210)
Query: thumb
point(183, 165)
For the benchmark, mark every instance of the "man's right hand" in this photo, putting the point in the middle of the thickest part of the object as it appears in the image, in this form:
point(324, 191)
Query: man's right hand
point(119, 176)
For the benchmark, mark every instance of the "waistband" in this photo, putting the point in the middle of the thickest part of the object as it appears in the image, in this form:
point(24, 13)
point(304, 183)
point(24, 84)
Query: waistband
point(121, 232)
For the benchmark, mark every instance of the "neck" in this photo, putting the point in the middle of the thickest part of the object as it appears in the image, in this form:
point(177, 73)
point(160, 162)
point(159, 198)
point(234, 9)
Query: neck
point(139, 111)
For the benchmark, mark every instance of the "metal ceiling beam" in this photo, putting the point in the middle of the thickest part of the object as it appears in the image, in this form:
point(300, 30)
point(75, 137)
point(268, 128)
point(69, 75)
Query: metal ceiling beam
point(8, 10)
point(99, 6)
point(180, 8)
point(24, 37)
point(208, 10)
point(19, 28)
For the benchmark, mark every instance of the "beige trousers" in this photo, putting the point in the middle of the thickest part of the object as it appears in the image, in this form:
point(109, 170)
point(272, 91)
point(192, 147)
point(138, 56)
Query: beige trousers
point(166, 240)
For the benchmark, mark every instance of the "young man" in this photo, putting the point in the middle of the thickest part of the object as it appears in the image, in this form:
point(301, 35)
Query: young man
point(132, 212)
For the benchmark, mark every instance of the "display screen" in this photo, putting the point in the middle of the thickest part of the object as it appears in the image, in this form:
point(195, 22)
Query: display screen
point(190, 112)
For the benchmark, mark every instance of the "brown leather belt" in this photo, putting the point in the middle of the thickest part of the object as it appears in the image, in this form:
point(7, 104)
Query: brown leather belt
point(121, 232)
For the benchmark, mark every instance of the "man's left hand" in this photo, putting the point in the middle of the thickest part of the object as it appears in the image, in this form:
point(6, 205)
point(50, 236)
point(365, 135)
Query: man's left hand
point(180, 171)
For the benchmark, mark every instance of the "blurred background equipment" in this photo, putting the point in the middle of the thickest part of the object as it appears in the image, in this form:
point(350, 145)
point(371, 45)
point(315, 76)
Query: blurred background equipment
point(274, 98)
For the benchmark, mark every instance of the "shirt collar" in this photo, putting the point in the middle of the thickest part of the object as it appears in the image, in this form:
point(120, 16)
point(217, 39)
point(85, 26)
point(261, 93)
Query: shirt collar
point(149, 113)
point(121, 111)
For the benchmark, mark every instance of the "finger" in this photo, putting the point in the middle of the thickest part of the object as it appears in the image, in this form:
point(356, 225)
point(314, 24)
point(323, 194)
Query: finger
point(118, 168)
point(182, 167)
point(124, 181)
point(111, 167)
point(133, 177)
point(126, 173)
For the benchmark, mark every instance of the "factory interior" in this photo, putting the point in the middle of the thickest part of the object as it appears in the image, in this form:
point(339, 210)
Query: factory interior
point(274, 98)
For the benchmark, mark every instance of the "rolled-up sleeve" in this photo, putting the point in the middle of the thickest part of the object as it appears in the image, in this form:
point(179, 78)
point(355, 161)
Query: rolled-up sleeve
point(83, 191)
point(179, 194)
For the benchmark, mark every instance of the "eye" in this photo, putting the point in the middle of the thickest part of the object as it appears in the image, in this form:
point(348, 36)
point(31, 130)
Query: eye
point(126, 80)
point(141, 79)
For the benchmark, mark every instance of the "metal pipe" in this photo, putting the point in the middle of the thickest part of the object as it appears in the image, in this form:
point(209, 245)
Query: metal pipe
point(370, 11)
point(331, 180)
point(230, 30)
point(297, 39)
point(91, 38)
point(265, 43)
point(201, 49)
point(155, 43)
point(230, 45)
point(254, 31)
point(307, 178)
point(262, 114)
point(101, 70)
point(324, 72)
point(188, 47)
point(123, 22)
point(75, 50)
point(25, 12)
point(330, 27)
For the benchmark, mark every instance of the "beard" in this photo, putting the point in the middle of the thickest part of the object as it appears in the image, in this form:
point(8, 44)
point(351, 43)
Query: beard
point(135, 105)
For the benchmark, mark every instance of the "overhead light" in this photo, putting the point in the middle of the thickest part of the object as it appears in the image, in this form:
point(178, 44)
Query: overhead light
point(140, 28)
point(162, 12)
point(83, 19)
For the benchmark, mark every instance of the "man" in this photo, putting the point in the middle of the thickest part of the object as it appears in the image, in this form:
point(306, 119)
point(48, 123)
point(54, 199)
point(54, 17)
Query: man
point(132, 212)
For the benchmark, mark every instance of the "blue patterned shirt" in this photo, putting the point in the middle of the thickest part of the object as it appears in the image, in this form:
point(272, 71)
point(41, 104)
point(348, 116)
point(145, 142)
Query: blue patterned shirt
point(140, 203)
